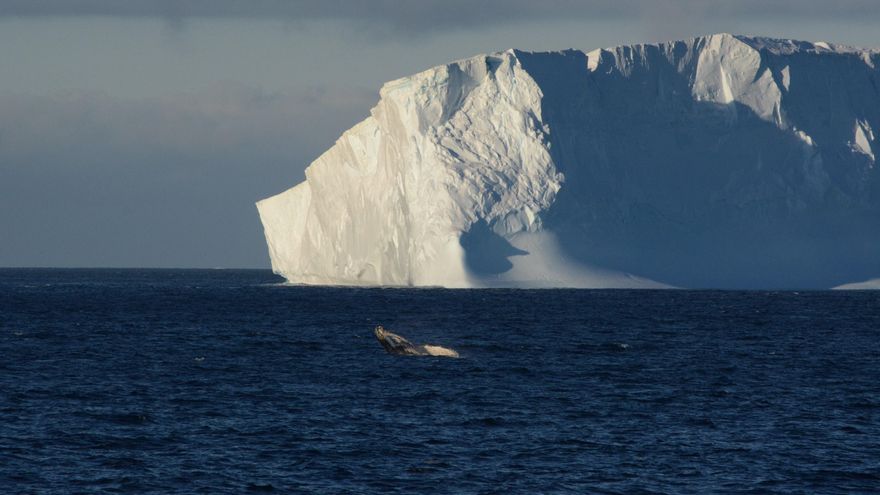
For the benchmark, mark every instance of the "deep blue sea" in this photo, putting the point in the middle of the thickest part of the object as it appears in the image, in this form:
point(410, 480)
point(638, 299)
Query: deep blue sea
point(226, 381)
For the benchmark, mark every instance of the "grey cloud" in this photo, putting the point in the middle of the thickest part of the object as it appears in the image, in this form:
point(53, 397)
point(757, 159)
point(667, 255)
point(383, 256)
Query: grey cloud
point(431, 15)
point(222, 118)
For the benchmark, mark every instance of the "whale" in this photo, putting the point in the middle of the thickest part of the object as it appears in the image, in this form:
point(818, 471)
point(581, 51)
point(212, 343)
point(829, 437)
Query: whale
point(396, 345)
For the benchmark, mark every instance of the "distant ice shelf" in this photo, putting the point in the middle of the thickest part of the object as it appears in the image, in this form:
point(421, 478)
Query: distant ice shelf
point(866, 285)
point(722, 161)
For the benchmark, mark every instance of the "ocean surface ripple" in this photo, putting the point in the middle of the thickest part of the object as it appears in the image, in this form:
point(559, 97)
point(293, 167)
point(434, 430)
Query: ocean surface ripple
point(225, 381)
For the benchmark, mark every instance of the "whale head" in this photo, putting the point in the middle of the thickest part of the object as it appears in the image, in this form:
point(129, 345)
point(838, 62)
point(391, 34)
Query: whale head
point(395, 344)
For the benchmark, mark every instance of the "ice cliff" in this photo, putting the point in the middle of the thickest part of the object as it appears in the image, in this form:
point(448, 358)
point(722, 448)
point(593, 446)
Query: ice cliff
point(720, 161)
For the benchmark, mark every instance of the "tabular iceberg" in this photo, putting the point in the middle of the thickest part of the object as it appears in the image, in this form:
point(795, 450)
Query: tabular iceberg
point(721, 161)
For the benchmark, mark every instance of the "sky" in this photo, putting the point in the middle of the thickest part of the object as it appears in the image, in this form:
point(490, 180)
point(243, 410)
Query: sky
point(140, 133)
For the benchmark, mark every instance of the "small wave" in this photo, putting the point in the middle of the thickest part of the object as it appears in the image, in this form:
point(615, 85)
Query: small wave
point(428, 466)
point(124, 419)
point(257, 487)
point(616, 346)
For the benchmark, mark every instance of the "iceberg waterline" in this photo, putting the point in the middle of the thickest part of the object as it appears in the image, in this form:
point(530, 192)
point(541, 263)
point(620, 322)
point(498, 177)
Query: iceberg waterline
point(720, 161)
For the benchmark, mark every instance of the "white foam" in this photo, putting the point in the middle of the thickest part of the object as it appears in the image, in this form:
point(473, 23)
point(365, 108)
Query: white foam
point(436, 350)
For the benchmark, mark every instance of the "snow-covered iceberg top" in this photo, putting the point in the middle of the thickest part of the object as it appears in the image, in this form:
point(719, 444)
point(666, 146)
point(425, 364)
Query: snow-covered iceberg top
point(720, 161)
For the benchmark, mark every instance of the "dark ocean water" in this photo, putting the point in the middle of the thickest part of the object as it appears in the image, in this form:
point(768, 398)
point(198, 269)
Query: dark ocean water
point(189, 381)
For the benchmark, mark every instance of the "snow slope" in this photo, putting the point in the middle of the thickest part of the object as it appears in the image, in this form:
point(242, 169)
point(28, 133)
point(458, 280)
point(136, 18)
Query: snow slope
point(720, 161)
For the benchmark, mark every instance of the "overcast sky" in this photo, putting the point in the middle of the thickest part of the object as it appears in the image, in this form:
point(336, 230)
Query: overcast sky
point(140, 133)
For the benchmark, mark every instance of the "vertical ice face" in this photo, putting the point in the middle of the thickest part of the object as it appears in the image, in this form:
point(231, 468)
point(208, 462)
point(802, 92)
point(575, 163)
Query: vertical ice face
point(443, 150)
point(720, 161)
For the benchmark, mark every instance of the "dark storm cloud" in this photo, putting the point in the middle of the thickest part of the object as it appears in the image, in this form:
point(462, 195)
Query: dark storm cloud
point(430, 15)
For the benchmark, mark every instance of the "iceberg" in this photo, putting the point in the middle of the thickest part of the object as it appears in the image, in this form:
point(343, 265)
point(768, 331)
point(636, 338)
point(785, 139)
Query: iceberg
point(722, 161)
